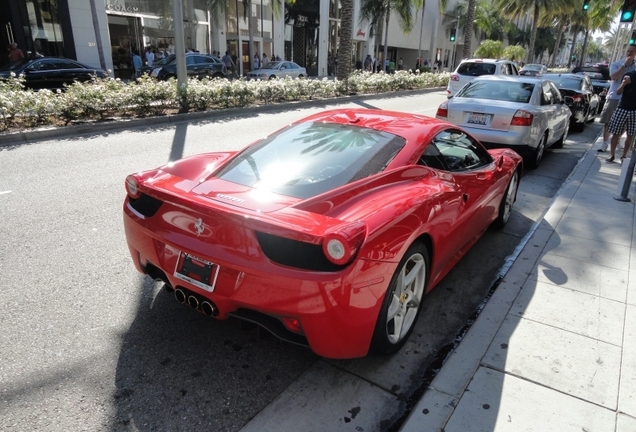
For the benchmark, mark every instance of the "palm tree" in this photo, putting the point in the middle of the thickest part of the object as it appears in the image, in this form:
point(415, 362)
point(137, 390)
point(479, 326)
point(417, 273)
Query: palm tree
point(344, 44)
point(468, 28)
point(374, 10)
point(518, 8)
point(601, 16)
point(490, 22)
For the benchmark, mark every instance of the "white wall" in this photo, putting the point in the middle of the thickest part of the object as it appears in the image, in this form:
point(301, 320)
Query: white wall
point(84, 32)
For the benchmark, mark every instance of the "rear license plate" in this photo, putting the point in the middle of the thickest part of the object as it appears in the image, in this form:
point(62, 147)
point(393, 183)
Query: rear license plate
point(196, 271)
point(480, 119)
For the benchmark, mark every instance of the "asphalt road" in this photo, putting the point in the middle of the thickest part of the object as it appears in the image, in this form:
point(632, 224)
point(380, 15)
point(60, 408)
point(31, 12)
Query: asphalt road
point(87, 343)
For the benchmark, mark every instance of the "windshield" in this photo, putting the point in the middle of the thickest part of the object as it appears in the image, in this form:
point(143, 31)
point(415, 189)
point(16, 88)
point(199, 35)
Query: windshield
point(308, 159)
point(532, 67)
point(498, 90)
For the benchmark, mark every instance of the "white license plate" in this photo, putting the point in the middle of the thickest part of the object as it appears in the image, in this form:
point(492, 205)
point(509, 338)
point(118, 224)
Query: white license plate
point(196, 271)
point(480, 119)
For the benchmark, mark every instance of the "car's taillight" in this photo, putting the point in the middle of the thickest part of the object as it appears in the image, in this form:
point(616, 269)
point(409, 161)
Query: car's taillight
point(132, 186)
point(577, 98)
point(442, 110)
point(454, 77)
point(522, 118)
point(342, 243)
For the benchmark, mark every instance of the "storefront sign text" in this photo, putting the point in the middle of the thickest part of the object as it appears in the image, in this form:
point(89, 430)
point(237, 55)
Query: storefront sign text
point(121, 8)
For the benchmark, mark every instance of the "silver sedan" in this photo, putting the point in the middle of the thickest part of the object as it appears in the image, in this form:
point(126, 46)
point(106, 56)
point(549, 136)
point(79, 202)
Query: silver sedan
point(278, 69)
point(522, 113)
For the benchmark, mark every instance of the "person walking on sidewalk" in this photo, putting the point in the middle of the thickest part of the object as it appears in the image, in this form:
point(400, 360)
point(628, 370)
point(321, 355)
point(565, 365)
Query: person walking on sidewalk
point(624, 116)
point(617, 70)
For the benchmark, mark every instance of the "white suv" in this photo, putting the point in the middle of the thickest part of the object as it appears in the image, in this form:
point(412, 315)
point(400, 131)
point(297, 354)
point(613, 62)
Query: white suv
point(472, 68)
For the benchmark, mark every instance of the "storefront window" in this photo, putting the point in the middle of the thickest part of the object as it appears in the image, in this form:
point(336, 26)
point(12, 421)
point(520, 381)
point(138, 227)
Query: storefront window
point(231, 18)
point(46, 33)
point(334, 9)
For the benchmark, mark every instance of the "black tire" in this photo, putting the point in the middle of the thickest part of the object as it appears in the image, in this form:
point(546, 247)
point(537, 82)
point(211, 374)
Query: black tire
point(537, 154)
point(272, 77)
point(403, 301)
point(507, 201)
point(301, 76)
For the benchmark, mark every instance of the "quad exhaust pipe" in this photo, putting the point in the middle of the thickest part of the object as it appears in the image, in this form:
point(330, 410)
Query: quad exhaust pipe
point(206, 306)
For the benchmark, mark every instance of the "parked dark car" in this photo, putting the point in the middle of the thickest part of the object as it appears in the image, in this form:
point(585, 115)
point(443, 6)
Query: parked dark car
point(197, 65)
point(600, 76)
point(533, 70)
point(578, 94)
point(51, 72)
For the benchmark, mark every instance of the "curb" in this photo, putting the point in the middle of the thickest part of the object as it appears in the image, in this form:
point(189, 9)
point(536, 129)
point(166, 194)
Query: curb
point(33, 136)
point(438, 403)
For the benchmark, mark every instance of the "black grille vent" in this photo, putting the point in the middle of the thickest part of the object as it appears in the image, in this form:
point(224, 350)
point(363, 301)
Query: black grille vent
point(145, 204)
point(296, 254)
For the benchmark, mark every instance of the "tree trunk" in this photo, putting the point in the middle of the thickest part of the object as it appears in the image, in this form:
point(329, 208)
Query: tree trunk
point(344, 46)
point(386, 40)
point(468, 29)
point(575, 33)
point(556, 46)
point(581, 61)
point(250, 29)
point(533, 34)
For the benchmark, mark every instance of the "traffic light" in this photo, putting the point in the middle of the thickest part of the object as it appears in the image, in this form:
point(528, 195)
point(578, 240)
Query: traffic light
point(586, 5)
point(628, 10)
point(453, 35)
point(632, 40)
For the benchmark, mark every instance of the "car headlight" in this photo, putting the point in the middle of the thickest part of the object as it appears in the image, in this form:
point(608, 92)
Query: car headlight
point(155, 72)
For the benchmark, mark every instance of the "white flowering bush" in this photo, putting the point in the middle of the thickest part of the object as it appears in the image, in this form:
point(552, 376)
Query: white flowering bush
point(149, 97)
point(100, 98)
point(20, 107)
point(97, 99)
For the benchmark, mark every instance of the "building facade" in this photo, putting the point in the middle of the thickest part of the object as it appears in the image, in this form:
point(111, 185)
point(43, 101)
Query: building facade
point(105, 32)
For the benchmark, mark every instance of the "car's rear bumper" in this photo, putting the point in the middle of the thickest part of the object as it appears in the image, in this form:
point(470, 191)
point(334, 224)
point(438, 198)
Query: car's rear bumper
point(337, 311)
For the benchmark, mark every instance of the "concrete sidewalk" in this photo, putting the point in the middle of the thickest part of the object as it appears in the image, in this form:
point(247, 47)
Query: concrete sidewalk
point(555, 347)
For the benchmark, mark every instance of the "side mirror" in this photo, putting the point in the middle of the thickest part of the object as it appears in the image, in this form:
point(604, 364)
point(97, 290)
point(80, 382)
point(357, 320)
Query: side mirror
point(499, 162)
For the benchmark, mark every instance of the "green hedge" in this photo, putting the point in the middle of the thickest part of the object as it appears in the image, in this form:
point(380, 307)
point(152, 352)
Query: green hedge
point(106, 98)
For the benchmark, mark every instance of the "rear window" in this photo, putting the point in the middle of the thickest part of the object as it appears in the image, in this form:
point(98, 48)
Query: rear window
point(308, 159)
point(476, 68)
point(566, 82)
point(498, 90)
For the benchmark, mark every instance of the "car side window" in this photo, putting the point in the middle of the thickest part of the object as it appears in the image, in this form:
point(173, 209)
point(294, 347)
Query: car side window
point(452, 150)
point(65, 64)
point(556, 94)
point(514, 69)
point(189, 60)
point(43, 65)
point(546, 94)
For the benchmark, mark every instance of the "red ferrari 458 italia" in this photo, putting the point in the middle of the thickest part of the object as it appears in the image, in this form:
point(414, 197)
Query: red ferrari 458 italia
point(329, 232)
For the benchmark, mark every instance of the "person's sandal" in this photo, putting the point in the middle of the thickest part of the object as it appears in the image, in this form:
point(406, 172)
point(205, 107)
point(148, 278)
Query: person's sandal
point(610, 159)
